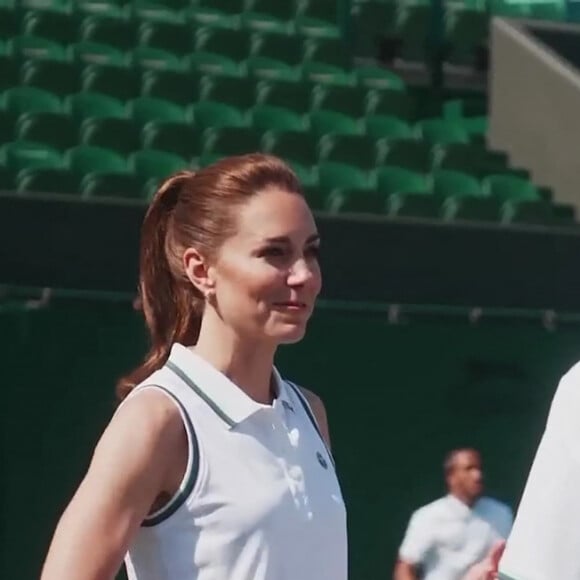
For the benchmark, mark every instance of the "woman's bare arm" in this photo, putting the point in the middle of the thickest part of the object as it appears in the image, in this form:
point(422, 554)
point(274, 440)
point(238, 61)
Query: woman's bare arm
point(131, 466)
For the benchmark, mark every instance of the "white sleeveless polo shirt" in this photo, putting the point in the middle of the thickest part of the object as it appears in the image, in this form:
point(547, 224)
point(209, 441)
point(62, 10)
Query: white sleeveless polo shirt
point(260, 499)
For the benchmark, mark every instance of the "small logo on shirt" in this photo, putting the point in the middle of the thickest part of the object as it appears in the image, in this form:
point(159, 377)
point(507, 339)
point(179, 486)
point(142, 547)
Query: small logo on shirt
point(287, 406)
point(321, 460)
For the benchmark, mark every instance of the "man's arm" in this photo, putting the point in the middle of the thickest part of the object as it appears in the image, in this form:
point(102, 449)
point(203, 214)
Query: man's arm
point(416, 544)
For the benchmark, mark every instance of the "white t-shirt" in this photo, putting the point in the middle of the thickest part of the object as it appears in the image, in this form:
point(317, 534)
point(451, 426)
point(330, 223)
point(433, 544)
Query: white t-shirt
point(446, 537)
point(545, 541)
point(260, 499)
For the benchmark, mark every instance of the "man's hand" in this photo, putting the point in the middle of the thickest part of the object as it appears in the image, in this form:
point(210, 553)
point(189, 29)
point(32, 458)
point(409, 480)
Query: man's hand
point(487, 568)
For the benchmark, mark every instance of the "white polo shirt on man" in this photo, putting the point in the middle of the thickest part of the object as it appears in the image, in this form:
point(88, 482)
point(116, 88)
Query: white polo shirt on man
point(545, 541)
point(260, 499)
point(446, 537)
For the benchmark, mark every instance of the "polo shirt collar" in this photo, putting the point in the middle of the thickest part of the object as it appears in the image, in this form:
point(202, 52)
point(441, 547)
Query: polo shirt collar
point(224, 397)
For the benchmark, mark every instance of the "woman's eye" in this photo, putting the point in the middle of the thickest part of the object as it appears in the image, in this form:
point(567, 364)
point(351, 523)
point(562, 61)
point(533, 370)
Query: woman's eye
point(272, 252)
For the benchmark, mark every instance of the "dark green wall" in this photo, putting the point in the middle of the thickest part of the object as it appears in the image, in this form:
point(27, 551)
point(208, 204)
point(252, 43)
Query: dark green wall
point(398, 396)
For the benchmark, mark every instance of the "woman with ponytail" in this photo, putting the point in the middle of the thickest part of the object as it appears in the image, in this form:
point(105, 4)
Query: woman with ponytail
point(214, 467)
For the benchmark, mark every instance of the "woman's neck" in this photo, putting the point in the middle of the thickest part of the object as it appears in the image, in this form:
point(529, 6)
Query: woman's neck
point(248, 365)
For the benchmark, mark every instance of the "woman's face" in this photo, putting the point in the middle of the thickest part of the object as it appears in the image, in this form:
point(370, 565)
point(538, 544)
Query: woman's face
point(266, 276)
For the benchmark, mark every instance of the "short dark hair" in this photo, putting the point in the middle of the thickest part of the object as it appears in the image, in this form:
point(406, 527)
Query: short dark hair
point(449, 461)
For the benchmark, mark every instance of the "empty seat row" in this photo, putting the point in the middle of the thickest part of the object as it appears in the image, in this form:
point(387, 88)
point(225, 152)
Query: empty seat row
point(307, 17)
point(220, 60)
point(208, 113)
point(177, 37)
point(91, 171)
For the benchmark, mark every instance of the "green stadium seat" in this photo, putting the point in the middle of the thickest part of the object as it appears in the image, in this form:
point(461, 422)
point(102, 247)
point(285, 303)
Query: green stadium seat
point(447, 183)
point(9, 72)
point(231, 141)
point(31, 100)
point(105, 8)
point(174, 6)
point(510, 188)
point(148, 58)
point(332, 52)
point(422, 204)
point(112, 185)
point(177, 87)
point(356, 150)
point(87, 105)
point(460, 157)
point(398, 180)
point(205, 63)
point(333, 123)
point(48, 5)
point(114, 32)
point(387, 127)
point(183, 140)
point(118, 135)
point(294, 146)
point(217, 13)
point(87, 52)
point(150, 164)
point(391, 103)
point(47, 180)
point(440, 131)
point(350, 101)
point(172, 37)
point(145, 109)
point(212, 114)
point(237, 92)
point(326, 74)
point(527, 212)
point(152, 11)
point(332, 175)
point(468, 208)
point(52, 129)
point(85, 159)
point(20, 155)
point(234, 45)
point(55, 26)
point(60, 78)
point(268, 16)
point(275, 56)
point(475, 127)
point(270, 118)
point(356, 201)
point(376, 77)
point(272, 70)
point(409, 154)
point(119, 83)
point(328, 62)
point(34, 47)
point(317, 19)
point(294, 96)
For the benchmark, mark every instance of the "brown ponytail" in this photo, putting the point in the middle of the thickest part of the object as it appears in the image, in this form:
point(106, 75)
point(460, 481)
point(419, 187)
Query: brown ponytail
point(191, 210)
point(172, 306)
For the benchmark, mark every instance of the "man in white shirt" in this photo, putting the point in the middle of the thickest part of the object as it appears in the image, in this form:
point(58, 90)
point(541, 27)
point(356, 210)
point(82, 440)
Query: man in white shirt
point(545, 541)
point(447, 537)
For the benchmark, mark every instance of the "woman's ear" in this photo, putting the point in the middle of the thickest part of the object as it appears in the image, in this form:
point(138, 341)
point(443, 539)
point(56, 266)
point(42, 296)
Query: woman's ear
point(198, 271)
